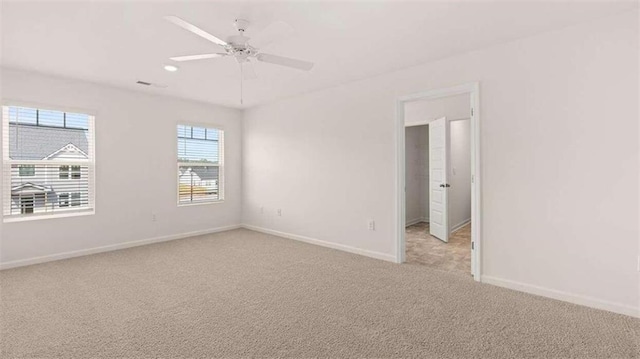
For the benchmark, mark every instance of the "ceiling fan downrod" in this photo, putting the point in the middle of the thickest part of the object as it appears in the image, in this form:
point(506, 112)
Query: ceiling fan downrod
point(241, 76)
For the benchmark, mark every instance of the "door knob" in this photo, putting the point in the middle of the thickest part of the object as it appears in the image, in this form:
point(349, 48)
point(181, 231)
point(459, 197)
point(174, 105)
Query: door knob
point(445, 185)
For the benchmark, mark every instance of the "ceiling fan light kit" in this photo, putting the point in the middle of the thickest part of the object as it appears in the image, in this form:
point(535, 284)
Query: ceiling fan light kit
point(238, 46)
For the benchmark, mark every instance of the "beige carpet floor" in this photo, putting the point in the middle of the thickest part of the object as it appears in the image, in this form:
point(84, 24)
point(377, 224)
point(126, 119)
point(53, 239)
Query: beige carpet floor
point(246, 294)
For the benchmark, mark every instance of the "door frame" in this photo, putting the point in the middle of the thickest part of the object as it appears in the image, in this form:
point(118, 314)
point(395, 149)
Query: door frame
point(473, 89)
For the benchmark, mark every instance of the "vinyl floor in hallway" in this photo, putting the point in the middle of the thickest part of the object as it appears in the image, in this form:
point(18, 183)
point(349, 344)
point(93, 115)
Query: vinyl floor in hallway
point(424, 249)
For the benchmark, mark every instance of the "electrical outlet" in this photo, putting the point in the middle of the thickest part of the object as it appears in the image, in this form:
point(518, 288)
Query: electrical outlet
point(153, 217)
point(279, 212)
point(372, 225)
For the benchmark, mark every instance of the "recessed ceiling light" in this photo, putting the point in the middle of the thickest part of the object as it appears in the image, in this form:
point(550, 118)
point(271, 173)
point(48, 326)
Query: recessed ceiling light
point(171, 68)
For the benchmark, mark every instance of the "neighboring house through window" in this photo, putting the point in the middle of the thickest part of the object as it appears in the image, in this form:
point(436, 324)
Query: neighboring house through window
point(200, 164)
point(48, 161)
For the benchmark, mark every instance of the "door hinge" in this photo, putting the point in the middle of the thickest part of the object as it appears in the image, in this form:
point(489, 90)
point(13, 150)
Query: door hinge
point(472, 111)
point(473, 246)
point(473, 179)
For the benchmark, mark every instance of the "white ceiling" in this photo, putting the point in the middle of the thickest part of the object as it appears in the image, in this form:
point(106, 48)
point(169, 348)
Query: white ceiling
point(119, 43)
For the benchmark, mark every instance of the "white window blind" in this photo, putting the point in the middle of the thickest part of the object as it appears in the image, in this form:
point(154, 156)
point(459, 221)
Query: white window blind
point(200, 164)
point(48, 162)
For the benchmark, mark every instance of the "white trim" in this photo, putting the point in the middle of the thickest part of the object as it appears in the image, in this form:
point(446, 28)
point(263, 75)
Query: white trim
point(111, 247)
point(318, 242)
point(43, 106)
point(60, 213)
point(473, 89)
point(200, 203)
point(29, 184)
point(64, 148)
point(458, 226)
point(427, 122)
point(212, 125)
point(564, 296)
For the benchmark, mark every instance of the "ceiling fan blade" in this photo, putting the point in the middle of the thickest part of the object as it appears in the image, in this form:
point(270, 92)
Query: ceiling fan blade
point(194, 29)
point(248, 72)
point(275, 31)
point(198, 57)
point(285, 61)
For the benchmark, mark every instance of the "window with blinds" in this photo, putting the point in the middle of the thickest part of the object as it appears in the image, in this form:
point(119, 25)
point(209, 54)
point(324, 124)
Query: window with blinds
point(200, 164)
point(48, 164)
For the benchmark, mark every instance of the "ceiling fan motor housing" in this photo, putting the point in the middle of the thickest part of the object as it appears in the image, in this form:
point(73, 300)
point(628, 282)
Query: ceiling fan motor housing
point(238, 44)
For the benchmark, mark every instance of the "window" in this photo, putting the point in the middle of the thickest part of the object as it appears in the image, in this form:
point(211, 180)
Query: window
point(76, 199)
point(26, 170)
point(75, 173)
point(48, 165)
point(200, 164)
point(64, 172)
point(63, 200)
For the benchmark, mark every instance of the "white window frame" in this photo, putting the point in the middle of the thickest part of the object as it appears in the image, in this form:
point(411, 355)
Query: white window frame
point(7, 162)
point(220, 165)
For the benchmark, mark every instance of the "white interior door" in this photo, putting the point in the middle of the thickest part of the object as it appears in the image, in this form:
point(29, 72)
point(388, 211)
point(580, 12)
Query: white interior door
point(438, 163)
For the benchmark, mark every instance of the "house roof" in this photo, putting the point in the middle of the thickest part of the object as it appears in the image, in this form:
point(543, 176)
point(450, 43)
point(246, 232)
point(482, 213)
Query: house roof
point(28, 142)
point(205, 173)
point(69, 149)
point(29, 187)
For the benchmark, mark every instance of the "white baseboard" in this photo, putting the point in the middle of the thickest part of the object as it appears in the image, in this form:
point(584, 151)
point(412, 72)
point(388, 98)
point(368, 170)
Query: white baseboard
point(564, 296)
point(111, 247)
point(415, 221)
point(460, 225)
point(318, 242)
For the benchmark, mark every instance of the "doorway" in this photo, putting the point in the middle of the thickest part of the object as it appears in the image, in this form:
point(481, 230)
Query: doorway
point(438, 179)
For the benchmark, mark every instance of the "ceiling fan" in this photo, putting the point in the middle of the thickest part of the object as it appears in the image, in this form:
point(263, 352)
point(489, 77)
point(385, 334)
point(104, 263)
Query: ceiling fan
point(238, 46)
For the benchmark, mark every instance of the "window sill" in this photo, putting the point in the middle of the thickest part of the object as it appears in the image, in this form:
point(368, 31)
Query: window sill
point(200, 203)
point(37, 217)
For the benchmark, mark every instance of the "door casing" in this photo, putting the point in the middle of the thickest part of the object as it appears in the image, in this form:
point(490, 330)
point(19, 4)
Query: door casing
point(473, 89)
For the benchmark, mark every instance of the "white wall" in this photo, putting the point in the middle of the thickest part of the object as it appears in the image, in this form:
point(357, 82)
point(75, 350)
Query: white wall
point(459, 173)
point(559, 161)
point(135, 133)
point(417, 174)
point(452, 107)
